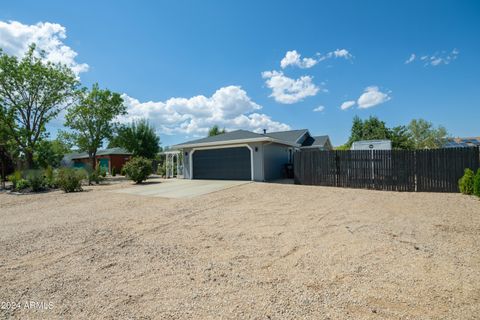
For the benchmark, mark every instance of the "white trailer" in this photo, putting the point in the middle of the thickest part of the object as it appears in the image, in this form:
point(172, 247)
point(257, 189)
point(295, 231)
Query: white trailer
point(372, 145)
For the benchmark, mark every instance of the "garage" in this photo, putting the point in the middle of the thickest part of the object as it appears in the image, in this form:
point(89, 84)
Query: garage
point(222, 164)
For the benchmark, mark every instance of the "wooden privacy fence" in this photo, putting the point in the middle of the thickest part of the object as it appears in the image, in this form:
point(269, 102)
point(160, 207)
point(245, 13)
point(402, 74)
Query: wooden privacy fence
point(436, 170)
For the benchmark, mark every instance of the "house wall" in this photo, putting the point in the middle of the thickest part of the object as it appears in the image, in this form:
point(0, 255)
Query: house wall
point(257, 152)
point(276, 156)
point(114, 160)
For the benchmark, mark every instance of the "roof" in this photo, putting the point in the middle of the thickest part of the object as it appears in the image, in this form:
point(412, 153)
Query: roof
point(291, 135)
point(241, 136)
point(101, 152)
point(318, 141)
point(462, 142)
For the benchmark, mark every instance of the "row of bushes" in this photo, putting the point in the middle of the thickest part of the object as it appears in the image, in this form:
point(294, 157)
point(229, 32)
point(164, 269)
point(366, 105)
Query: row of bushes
point(70, 179)
point(470, 183)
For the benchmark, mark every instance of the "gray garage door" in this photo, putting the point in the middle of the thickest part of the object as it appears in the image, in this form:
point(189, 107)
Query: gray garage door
point(222, 164)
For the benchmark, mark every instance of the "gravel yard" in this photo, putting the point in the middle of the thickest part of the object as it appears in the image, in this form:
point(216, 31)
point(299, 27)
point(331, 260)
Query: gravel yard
point(255, 251)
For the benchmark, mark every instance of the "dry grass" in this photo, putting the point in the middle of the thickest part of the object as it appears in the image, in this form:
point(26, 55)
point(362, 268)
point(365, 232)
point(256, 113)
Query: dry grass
point(257, 251)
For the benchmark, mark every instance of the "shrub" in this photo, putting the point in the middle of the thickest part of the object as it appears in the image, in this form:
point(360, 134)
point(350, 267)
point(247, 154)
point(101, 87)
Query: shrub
point(161, 171)
point(14, 178)
point(21, 184)
point(114, 171)
point(50, 180)
point(103, 172)
point(137, 169)
point(70, 180)
point(93, 175)
point(35, 180)
point(465, 184)
point(476, 184)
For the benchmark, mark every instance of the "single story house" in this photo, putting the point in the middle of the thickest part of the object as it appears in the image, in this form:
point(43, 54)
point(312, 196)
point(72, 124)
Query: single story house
point(246, 155)
point(107, 159)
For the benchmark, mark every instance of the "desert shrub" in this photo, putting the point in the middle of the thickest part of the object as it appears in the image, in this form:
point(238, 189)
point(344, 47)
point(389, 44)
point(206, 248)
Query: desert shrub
point(21, 184)
point(70, 180)
point(137, 169)
point(465, 184)
point(50, 179)
point(103, 172)
point(35, 179)
point(93, 175)
point(114, 171)
point(14, 178)
point(161, 171)
point(476, 184)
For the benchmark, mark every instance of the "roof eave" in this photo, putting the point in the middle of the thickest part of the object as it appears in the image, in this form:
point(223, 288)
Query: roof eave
point(233, 142)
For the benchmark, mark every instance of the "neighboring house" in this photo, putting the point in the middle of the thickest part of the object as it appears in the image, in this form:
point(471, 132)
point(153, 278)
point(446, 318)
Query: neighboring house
point(462, 142)
point(245, 155)
point(106, 158)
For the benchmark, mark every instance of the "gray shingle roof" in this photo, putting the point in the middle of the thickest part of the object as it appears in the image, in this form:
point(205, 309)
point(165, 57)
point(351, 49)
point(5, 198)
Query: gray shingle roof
point(318, 141)
point(228, 136)
point(102, 152)
point(291, 136)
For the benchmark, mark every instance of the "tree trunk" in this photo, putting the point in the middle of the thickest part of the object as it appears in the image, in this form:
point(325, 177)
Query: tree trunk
point(93, 161)
point(2, 172)
point(29, 159)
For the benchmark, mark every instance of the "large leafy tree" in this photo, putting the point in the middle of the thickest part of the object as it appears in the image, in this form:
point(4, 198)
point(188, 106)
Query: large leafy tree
point(369, 129)
point(7, 149)
point(426, 136)
point(51, 152)
point(32, 92)
point(215, 131)
point(139, 138)
point(92, 120)
point(401, 138)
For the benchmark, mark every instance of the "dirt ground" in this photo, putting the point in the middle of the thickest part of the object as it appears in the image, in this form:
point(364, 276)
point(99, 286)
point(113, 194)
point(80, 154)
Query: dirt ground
point(256, 251)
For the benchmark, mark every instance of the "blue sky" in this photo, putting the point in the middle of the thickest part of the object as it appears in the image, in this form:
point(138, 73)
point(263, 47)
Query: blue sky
point(217, 57)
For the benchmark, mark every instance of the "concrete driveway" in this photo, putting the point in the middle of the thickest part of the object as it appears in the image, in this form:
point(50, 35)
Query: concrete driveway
point(180, 188)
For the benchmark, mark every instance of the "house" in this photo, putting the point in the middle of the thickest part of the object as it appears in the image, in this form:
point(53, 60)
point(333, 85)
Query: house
point(106, 158)
point(246, 155)
point(462, 142)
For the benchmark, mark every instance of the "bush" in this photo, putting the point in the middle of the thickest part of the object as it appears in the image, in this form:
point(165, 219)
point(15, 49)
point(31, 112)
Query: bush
point(476, 184)
point(103, 172)
point(465, 184)
point(114, 171)
point(137, 169)
point(94, 175)
point(161, 171)
point(14, 178)
point(50, 180)
point(70, 180)
point(21, 184)
point(35, 180)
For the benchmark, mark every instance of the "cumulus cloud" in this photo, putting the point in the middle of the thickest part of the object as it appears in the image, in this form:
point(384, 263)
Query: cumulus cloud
point(228, 107)
point(371, 97)
point(293, 58)
point(347, 104)
point(319, 109)
point(287, 90)
point(439, 58)
point(16, 37)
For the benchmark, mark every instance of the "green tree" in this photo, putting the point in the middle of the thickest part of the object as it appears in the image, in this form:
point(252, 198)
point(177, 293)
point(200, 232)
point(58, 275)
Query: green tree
point(32, 92)
point(92, 120)
point(401, 138)
point(215, 131)
point(426, 136)
point(369, 129)
point(51, 152)
point(139, 138)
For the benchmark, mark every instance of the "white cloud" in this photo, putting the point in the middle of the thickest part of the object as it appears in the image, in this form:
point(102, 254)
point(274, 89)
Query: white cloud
point(228, 107)
point(411, 59)
point(16, 37)
point(339, 53)
point(371, 97)
point(319, 109)
point(347, 104)
point(439, 58)
point(287, 90)
point(293, 58)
